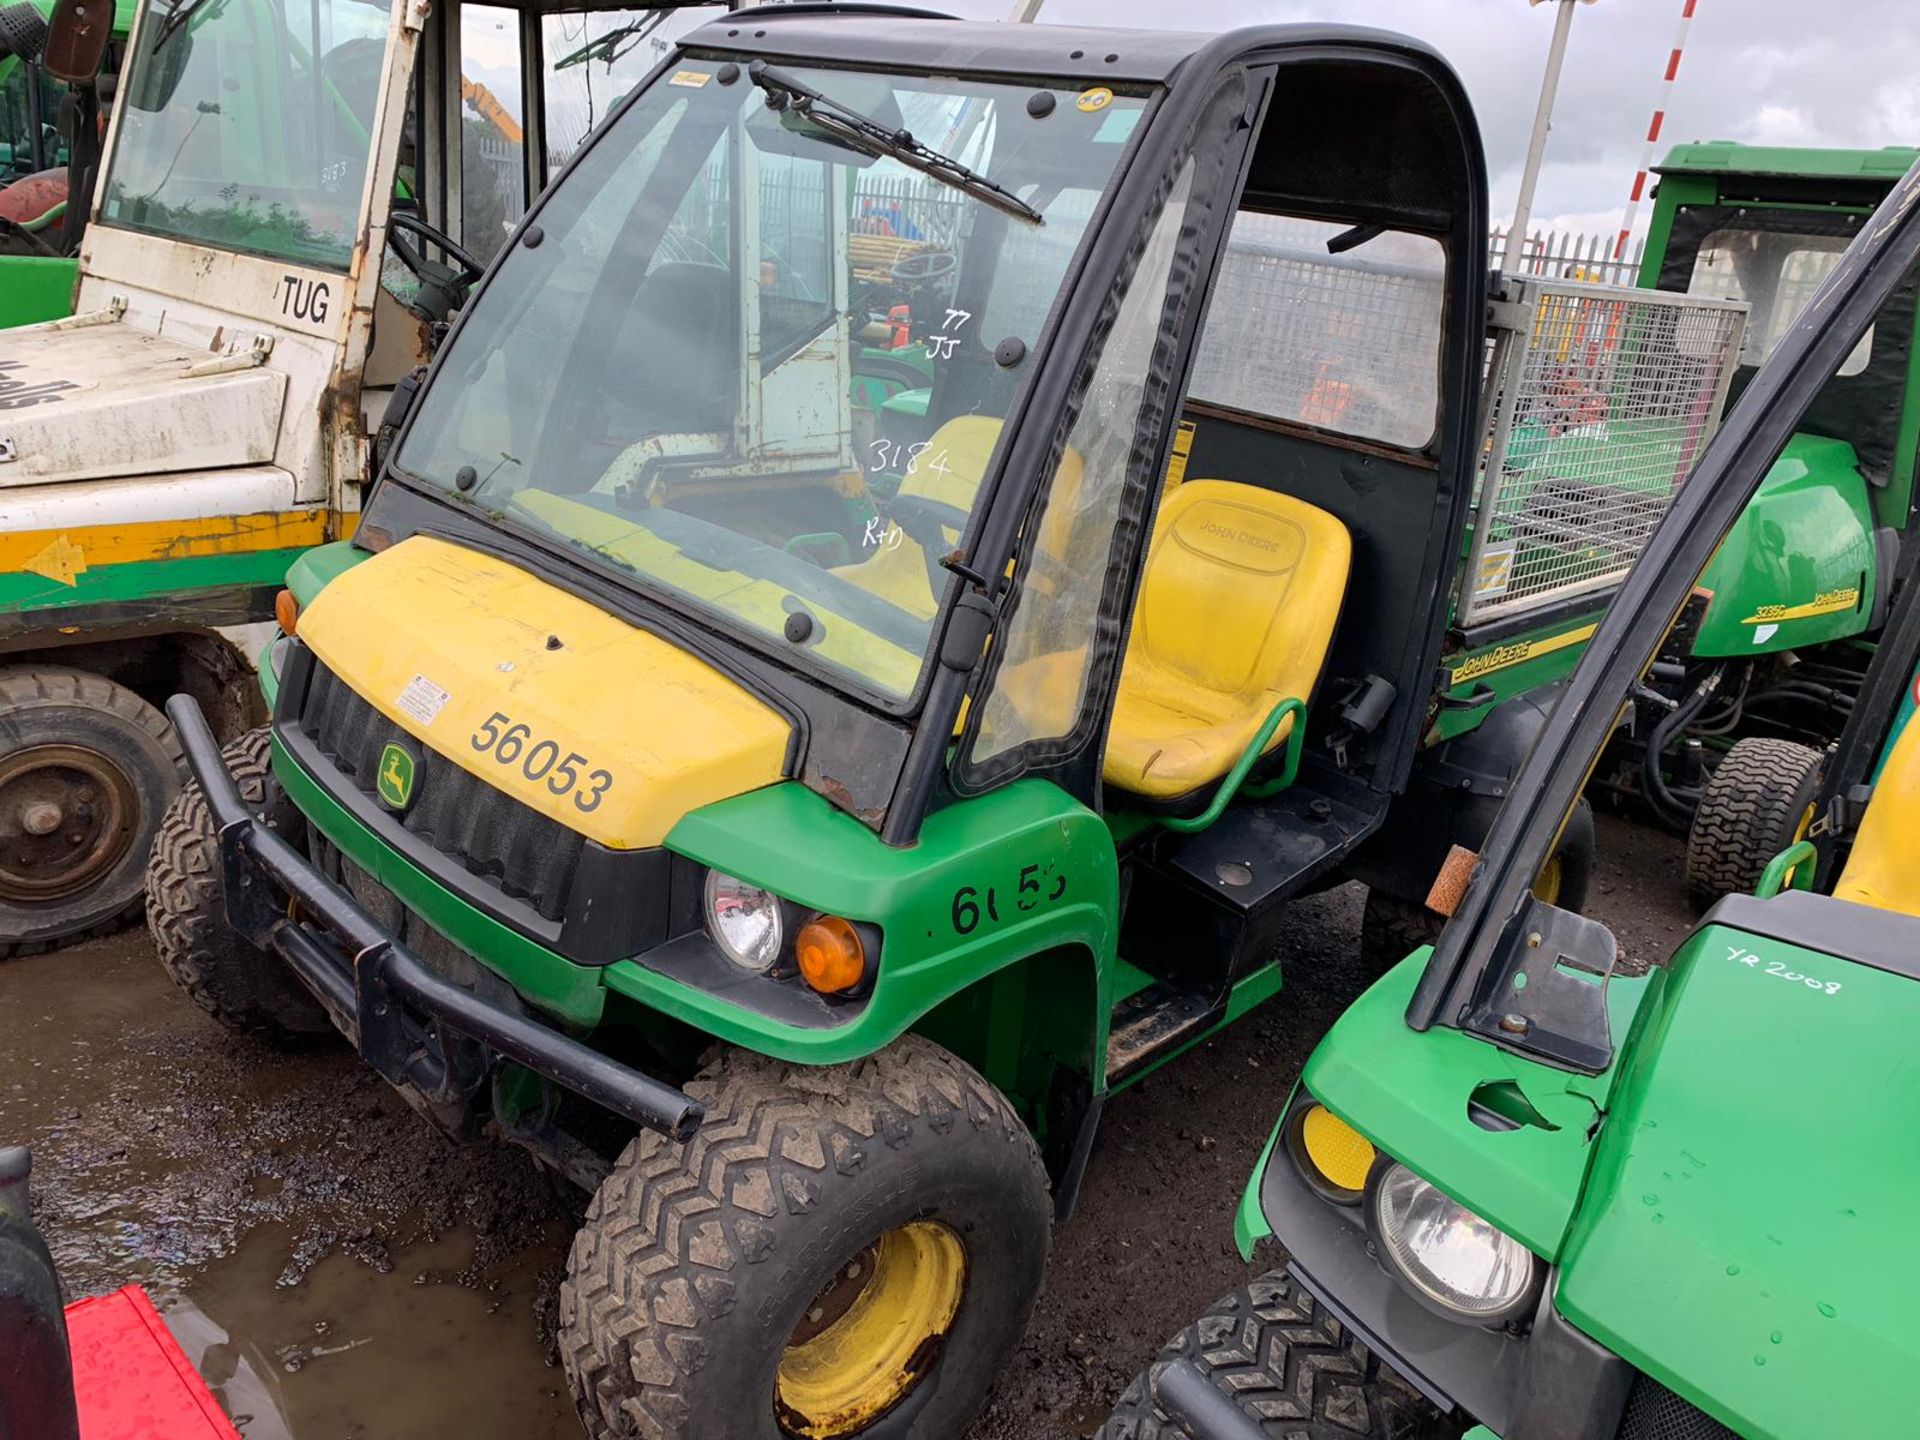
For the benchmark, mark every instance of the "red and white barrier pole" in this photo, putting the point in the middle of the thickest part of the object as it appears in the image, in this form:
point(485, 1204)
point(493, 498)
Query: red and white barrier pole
point(1653, 130)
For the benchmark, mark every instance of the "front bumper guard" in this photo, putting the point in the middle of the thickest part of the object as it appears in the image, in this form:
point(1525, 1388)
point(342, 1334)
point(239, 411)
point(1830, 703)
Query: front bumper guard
point(1202, 1411)
point(415, 1027)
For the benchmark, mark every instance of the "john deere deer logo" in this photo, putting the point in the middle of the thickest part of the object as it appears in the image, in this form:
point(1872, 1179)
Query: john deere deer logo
point(394, 782)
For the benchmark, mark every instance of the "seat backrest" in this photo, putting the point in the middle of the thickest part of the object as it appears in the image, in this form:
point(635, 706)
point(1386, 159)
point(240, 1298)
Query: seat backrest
point(1884, 868)
point(948, 471)
point(1242, 589)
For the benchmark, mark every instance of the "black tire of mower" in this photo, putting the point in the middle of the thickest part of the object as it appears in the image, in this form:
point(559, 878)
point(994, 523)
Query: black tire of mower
point(695, 1262)
point(1748, 813)
point(238, 984)
point(1392, 929)
point(50, 704)
point(1291, 1367)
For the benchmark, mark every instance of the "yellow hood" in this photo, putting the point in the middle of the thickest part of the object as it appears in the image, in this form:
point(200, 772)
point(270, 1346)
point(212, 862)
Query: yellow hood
point(612, 731)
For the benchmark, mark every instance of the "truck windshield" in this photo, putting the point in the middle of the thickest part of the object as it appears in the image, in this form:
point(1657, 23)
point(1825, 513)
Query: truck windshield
point(746, 365)
point(251, 127)
point(1776, 273)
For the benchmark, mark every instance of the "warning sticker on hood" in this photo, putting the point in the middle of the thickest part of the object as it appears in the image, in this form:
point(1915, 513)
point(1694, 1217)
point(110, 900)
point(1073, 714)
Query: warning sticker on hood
point(422, 699)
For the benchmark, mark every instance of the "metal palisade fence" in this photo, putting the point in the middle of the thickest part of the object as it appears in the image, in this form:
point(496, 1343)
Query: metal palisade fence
point(1565, 255)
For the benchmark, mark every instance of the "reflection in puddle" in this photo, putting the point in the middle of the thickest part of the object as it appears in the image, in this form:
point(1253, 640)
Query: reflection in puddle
point(335, 1268)
point(352, 1352)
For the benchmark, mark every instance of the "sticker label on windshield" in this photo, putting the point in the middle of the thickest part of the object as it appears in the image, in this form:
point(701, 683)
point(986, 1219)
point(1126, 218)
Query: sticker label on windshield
point(1098, 98)
point(690, 79)
point(423, 700)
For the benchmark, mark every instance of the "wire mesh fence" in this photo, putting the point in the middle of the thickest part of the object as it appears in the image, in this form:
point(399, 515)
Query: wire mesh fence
point(1331, 340)
point(1602, 402)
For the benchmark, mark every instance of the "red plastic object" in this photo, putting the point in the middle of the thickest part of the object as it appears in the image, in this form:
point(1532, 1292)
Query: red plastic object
point(130, 1377)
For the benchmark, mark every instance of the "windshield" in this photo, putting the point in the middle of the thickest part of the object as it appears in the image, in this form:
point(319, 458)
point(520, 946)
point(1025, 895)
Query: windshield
point(758, 368)
point(1776, 273)
point(251, 128)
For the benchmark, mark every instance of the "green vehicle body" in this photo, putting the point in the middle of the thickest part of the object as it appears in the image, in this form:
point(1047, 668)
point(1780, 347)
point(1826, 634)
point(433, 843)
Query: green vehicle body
point(1735, 1229)
point(1719, 1204)
point(1001, 910)
point(1810, 539)
point(1023, 995)
point(1809, 532)
point(34, 288)
point(1012, 1024)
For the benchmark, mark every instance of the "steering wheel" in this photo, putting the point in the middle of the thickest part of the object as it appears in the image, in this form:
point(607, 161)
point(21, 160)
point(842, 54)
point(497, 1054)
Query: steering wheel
point(442, 287)
point(923, 266)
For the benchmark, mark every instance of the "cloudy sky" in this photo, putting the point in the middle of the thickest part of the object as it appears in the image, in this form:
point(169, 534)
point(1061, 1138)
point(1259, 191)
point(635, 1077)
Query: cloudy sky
point(1793, 72)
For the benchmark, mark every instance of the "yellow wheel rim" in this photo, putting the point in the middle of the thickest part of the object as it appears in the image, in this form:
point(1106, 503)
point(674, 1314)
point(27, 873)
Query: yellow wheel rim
point(1547, 887)
point(872, 1333)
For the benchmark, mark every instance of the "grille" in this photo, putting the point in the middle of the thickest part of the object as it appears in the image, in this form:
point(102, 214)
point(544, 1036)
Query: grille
point(1603, 399)
point(518, 851)
point(1656, 1413)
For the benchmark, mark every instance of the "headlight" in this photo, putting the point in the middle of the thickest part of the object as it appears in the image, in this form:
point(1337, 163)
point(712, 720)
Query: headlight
point(1447, 1255)
point(745, 921)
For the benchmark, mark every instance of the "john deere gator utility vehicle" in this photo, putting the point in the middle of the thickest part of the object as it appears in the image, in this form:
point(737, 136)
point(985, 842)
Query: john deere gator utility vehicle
point(666, 753)
point(259, 275)
point(1518, 1188)
point(1758, 680)
point(49, 150)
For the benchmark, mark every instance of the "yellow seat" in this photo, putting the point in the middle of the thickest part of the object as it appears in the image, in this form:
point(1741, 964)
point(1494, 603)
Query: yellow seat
point(1237, 607)
point(947, 474)
point(1883, 870)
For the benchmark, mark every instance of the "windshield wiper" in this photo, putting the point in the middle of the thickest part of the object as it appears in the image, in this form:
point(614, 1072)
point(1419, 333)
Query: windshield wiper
point(865, 133)
point(615, 43)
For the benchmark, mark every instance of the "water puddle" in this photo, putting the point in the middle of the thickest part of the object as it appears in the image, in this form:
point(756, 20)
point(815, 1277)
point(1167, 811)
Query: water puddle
point(431, 1347)
point(331, 1264)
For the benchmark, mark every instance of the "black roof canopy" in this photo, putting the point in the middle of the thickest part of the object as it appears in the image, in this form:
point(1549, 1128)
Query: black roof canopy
point(896, 36)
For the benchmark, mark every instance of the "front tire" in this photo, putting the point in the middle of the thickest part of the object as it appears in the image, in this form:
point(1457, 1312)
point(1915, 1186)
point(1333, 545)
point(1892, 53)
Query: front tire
point(839, 1251)
point(86, 769)
point(1291, 1367)
point(238, 984)
point(1756, 804)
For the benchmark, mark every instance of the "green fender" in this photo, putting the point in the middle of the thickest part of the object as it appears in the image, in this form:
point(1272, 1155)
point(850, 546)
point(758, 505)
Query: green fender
point(1024, 870)
point(1407, 1091)
point(1798, 568)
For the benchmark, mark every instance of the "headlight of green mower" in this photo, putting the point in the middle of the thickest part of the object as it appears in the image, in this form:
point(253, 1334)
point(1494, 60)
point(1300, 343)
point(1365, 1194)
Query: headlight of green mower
point(746, 922)
point(1448, 1257)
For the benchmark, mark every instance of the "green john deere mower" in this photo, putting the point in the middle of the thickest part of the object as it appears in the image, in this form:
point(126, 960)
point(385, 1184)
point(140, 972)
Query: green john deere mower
point(1519, 1189)
point(795, 830)
point(1758, 679)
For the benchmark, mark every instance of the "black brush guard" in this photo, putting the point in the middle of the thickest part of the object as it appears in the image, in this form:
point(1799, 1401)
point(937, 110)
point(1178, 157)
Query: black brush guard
point(381, 995)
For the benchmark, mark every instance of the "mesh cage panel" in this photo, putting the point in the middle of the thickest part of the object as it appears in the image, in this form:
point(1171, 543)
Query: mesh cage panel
point(1348, 342)
point(1604, 401)
point(1656, 1413)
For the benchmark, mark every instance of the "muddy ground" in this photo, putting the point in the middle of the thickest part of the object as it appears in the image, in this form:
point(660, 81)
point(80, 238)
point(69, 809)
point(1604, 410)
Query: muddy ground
point(339, 1272)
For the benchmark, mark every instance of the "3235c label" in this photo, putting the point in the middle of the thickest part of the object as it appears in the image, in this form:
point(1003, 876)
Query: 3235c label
point(510, 742)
